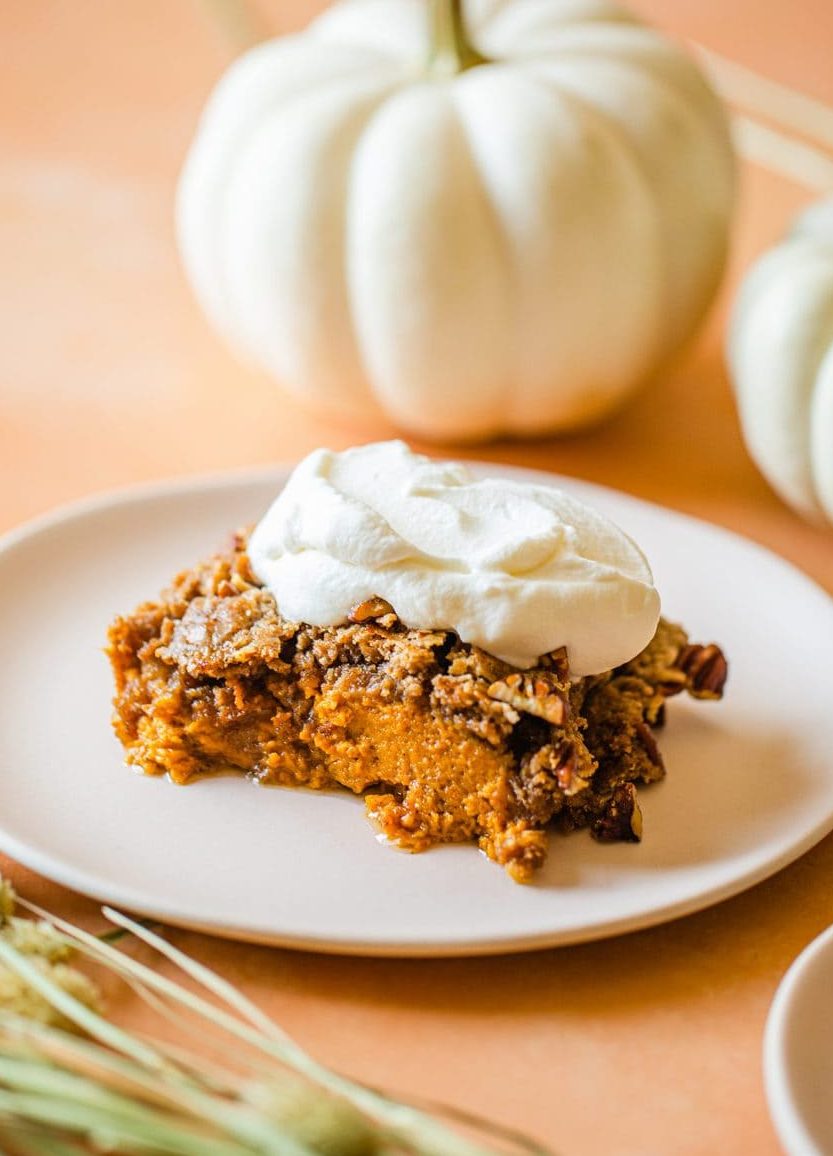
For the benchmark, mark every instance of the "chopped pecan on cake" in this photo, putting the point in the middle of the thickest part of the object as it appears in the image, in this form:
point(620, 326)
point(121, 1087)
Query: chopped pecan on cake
point(445, 742)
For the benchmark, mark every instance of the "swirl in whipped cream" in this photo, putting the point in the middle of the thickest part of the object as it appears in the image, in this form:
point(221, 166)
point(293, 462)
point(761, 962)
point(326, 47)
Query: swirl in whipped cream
point(516, 568)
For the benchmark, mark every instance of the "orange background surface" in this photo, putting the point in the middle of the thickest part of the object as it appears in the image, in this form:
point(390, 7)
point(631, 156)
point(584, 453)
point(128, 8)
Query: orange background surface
point(645, 1044)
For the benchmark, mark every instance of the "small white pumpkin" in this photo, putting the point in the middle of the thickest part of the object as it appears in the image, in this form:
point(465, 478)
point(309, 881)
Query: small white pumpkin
point(505, 239)
point(780, 354)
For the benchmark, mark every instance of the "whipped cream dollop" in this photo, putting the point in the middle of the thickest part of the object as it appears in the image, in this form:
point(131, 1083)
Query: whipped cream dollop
point(514, 567)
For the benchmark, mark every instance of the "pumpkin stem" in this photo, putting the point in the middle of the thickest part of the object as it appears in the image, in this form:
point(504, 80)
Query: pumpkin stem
point(451, 50)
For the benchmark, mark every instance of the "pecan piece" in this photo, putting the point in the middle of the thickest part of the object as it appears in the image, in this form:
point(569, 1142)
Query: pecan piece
point(370, 608)
point(558, 662)
point(533, 694)
point(673, 682)
point(622, 818)
point(566, 767)
point(649, 744)
point(706, 669)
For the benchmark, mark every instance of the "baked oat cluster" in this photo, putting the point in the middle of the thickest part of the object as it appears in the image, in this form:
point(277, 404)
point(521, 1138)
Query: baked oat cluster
point(445, 742)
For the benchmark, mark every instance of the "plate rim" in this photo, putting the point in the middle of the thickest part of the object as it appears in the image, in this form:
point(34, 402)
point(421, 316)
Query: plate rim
point(112, 894)
point(115, 896)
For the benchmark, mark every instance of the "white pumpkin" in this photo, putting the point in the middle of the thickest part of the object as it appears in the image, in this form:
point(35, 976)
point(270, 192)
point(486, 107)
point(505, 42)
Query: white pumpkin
point(781, 358)
point(500, 240)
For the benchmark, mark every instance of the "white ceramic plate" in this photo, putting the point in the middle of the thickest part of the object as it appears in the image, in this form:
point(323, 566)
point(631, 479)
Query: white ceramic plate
point(798, 1052)
point(750, 783)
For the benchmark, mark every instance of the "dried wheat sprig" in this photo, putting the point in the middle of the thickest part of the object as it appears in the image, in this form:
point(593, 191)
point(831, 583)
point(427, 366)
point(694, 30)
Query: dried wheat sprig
point(122, 1092)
